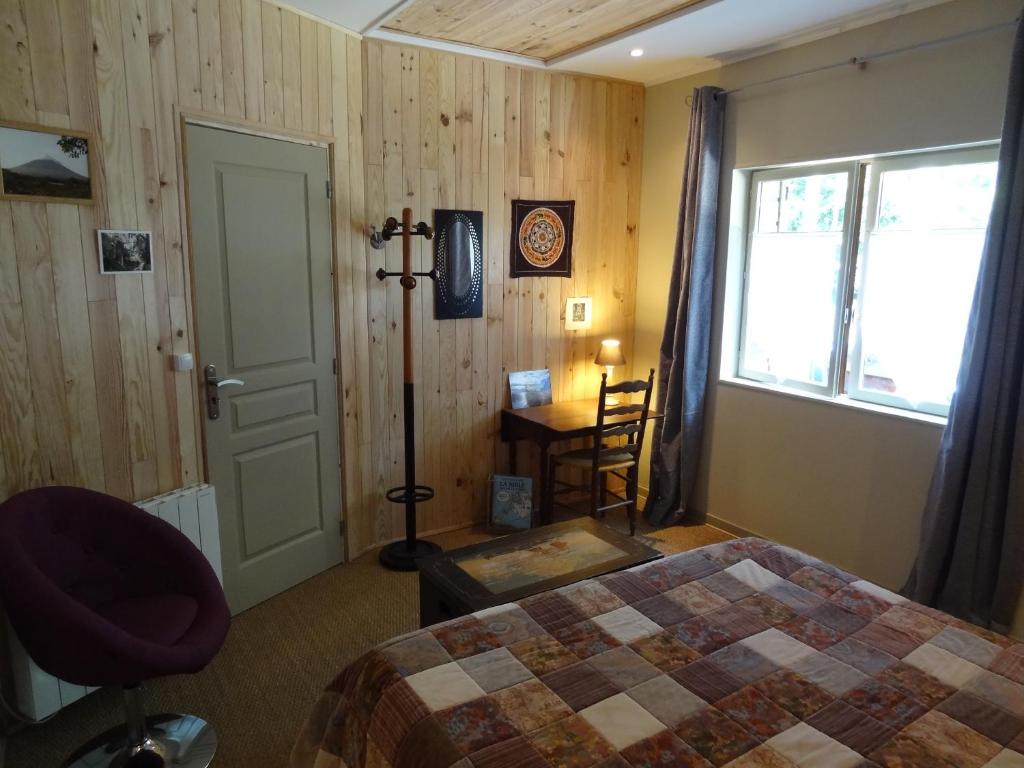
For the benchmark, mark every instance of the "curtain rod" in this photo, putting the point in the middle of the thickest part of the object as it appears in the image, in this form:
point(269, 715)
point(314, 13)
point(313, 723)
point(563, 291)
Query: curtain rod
point(861, 61)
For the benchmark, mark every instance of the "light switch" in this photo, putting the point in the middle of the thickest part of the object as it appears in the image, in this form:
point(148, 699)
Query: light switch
point(184, 362)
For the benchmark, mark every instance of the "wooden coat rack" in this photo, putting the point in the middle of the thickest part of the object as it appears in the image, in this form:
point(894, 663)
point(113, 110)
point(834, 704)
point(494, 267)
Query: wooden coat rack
point(402, 555)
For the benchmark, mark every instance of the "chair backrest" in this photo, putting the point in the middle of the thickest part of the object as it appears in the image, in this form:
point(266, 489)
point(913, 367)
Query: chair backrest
point(82, 576)
point(621, 426)
point(91, 546)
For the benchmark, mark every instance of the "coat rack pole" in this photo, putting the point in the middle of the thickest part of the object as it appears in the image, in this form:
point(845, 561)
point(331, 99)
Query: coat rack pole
point(402, 555)
point(408, 410)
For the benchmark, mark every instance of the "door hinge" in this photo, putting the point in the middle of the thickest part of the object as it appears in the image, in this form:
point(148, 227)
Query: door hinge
point(328, 189)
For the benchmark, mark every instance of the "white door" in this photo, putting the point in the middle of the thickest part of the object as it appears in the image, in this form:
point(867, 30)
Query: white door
point(261, 242)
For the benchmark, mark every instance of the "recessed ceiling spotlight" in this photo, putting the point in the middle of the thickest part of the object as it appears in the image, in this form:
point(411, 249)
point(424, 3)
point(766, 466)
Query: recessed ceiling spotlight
point(636, 53)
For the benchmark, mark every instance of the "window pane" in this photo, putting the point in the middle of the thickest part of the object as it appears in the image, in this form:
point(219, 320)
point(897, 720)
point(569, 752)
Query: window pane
point(943, 197)
point(918, 268)
point(802, 204)
point(793, 278)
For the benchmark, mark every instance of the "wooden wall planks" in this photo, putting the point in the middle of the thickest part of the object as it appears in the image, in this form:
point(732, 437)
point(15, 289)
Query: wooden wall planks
point(87, 396)
point(444, 130)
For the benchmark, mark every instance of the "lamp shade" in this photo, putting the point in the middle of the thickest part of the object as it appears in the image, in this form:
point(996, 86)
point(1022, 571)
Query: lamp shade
point(610, 353)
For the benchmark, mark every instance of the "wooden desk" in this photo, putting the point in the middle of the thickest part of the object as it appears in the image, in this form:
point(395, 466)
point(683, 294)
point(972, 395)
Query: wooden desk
point(547, 424)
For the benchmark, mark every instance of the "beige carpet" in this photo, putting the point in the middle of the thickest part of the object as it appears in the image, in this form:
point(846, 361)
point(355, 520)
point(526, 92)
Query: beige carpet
point(277, 658)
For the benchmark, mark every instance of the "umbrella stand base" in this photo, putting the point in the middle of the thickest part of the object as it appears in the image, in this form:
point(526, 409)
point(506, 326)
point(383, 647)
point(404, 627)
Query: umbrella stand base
point(399, 557)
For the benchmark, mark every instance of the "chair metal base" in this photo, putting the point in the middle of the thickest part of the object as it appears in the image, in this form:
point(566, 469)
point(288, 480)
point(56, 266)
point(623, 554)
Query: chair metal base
point(182, 741)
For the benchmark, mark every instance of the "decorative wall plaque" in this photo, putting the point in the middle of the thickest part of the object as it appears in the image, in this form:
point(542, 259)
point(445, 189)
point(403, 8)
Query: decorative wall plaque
point(459, 261)
point(542, 238)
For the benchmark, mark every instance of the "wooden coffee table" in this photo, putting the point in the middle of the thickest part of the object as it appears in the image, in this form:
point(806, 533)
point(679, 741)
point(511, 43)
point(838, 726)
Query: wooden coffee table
point(512, 567)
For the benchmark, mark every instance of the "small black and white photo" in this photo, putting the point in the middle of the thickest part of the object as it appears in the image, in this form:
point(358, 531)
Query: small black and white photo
point(125, 251)
point(579, 313)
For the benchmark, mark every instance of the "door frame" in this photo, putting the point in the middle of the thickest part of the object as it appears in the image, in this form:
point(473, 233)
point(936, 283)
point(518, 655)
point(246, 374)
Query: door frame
point(183, 118)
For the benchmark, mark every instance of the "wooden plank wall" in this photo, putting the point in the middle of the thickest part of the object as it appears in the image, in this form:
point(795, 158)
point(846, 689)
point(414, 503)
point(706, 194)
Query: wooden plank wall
point(87, 396)
point(451, 131)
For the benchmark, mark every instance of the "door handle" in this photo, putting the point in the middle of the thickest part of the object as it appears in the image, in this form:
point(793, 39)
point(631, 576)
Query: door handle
point(213, 385)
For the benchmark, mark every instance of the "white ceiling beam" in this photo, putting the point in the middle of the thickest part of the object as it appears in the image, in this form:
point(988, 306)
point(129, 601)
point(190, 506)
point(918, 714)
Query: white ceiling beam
point(394, 10)
point(467, 50)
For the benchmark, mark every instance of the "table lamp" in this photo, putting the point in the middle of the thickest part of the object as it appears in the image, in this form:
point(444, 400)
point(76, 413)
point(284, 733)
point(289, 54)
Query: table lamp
point(609, 356)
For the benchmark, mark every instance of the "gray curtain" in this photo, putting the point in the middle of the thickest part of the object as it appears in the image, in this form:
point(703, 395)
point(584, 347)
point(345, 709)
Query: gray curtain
point(971, 554)
point(683, 361)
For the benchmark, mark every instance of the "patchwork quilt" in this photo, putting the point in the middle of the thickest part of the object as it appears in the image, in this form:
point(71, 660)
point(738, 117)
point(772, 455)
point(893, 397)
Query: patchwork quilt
point(743, 654)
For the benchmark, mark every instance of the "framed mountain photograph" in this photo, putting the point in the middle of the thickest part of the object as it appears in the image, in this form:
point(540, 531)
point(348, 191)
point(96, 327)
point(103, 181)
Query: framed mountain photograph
point(43, 164)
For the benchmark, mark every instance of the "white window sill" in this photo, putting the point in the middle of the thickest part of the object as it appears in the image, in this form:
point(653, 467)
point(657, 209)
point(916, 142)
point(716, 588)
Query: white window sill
point(836, 402)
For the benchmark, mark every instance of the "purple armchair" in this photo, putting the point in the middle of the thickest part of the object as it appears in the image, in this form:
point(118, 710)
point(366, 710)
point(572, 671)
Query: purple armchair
point(101, 593)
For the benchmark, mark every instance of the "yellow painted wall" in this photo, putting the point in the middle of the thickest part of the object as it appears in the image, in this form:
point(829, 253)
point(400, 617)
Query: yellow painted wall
point(843, 484)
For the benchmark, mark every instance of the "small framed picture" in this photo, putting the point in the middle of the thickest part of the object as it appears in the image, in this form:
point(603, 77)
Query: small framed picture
point(42, 164)
point(579, 313)
point(511, 504)
point(125, 251)
point(529, 388)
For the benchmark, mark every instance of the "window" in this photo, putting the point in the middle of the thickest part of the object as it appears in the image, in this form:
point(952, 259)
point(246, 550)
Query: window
point(859, 276)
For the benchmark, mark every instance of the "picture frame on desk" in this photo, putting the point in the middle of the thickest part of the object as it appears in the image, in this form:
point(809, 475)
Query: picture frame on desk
point(511, 507)
point(529, 388)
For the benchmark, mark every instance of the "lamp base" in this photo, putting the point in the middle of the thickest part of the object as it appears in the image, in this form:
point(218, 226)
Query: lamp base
point(610, 400)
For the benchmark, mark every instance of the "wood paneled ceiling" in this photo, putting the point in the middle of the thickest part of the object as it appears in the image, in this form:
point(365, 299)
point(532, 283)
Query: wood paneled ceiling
point(543, 29)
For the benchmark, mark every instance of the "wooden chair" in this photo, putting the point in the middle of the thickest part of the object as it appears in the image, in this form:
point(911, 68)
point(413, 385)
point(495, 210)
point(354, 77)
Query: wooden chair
point(616, 449)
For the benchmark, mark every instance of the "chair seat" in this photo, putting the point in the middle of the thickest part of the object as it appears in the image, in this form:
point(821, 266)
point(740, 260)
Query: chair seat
point(584, 457)
point(163, 618)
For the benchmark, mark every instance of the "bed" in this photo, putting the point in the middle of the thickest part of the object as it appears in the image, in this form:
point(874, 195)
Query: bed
point(744, 653)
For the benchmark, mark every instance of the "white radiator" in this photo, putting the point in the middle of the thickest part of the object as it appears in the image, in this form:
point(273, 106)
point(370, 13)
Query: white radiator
point(193, 511)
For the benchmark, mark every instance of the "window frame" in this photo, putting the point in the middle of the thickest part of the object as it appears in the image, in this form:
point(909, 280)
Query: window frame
point(871, 199)
point(863, 194)
point(852, 170)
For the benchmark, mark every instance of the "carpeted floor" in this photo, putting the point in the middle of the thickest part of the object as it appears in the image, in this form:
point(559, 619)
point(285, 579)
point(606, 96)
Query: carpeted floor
point(277, 658)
